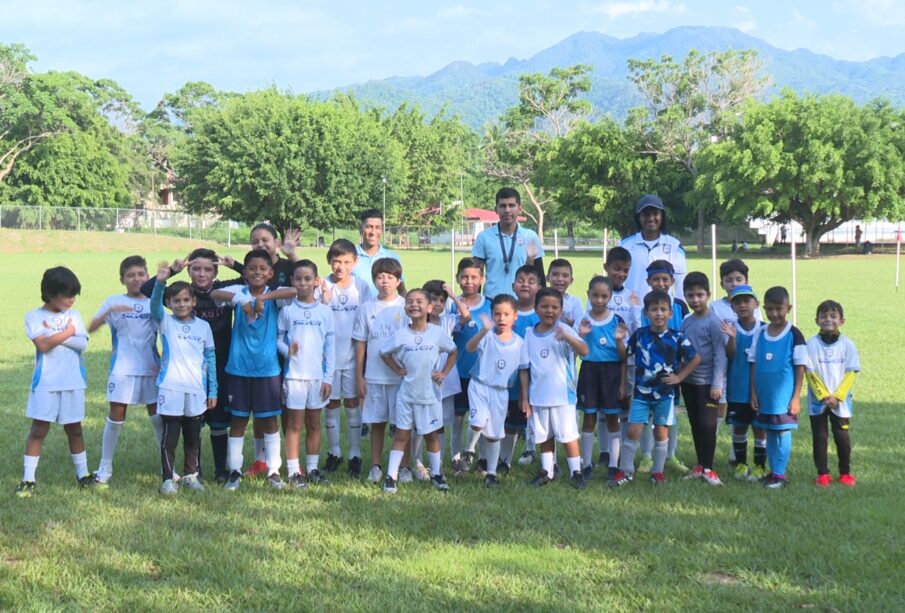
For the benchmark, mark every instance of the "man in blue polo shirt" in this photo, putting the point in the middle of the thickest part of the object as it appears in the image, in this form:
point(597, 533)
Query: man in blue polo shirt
point(506, 246)
point(370, 250)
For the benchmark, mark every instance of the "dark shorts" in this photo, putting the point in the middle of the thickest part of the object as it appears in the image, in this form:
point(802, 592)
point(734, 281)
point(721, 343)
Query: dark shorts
point(740, 414)
point(460, 400)
point(598, 387)
point(515, 419)
point(258, 396)
point(781, 421)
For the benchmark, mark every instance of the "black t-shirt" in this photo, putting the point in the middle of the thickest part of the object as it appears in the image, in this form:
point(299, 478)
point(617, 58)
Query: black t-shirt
point(282, 273)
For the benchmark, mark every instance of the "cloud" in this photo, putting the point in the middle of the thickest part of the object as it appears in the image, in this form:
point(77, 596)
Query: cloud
point(616, 9)
point(747, 23)
point(456, 11)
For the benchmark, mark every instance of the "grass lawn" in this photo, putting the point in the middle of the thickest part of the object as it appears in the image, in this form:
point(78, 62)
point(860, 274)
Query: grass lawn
point(349, 547)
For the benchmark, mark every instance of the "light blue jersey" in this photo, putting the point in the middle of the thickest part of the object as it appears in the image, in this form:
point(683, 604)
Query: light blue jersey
point(253, 344)
point(601, 339)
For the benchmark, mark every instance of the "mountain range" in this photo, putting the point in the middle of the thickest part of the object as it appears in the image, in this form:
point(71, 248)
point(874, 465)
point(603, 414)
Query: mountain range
point(480, 93)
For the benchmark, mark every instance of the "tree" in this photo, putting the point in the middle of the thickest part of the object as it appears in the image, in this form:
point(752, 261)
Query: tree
point(688, 106)
point(548, 108)
point(820, 161)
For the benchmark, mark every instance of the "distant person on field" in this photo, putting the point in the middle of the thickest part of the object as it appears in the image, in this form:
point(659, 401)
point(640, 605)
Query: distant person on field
point(857, 236)
point(370, 250)
point(652, 242)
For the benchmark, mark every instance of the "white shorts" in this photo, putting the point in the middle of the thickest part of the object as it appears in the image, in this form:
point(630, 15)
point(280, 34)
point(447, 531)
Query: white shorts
point(380, 403)
point(180, 404)
point(64, 407)
point(425, 418)
point(489, 406)
point(132, 389)
point(449, 410)
point(301, 394)
point(344, 385)
point(559, 422)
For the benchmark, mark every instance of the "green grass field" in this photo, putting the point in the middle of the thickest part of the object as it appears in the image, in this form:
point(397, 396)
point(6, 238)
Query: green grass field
point(349, 547)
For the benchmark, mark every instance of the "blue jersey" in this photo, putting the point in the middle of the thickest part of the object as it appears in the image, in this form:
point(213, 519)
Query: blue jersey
point(465, 360)
point(679, 313)
point(524, 321)
point(253, 345)
point(658, 354)
point(775, 359)
point(601, 339)
point(738, 379)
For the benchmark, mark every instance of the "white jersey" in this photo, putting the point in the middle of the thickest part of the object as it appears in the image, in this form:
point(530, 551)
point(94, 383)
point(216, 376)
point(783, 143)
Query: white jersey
point(722, 308)
point(451, 385)
point(134, 336)
point(831, 363)
point(498, 362)
point(345, 302)
point(628, 305)
point(377, 321)
point(62, 368)
point(417, 352)
point(311, 327)
point(572, 308)
point(552, 368)
point(183, 367)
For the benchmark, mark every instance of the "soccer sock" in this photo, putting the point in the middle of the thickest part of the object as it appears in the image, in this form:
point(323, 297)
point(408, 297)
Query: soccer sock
point(108, 447)
point(259, 450)
point(507, 448)
point(157, 424)
point(779, 447)
point(660, 450)
point(614, 443)
point(435, 458)
point(785, 451)
point(647, 440)
point(29, 466)
point(603, 435)
point(272, 453)
point(546, 463)
point(455, 443)
point(493, 456)
point(331, 425)
point(393, 464)
point(353, 434)
point(574, 464)
point(80, 462)
point(219, 440)
point(311, 462)
point(627, 461)
point(473, 437)
point(760, 452)
point(234, 452)
point(673, 441)
point(293, 467)
point(587, 448)
point(740, 446)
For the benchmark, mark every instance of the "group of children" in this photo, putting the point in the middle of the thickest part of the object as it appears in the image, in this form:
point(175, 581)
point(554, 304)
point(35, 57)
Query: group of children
point(423, 363)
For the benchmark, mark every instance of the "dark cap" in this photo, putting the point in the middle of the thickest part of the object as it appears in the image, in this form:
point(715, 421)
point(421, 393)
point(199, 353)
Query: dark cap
point(649, 201)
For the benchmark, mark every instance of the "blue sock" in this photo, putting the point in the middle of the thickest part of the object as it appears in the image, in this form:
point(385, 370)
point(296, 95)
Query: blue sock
point(772, 448)
point(782, 442)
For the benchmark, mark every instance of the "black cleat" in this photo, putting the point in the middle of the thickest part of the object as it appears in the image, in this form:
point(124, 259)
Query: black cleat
point(491, 482)
point(578, 480)
point(333, 462)
point(389, 485)
point(557, 473)
point(88, 481)
point(588, 472)
point(298, 481)
point(316, 478)
point(25, 489)
point(502, 468)
point(439, 482)
point(604, 458)
point(541, 479)
point(355, 467)
point(481, 467)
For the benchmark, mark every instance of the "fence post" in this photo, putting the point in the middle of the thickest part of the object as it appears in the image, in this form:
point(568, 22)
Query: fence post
point(78, 220)
point(116, 227)
point(190, 226)
point(556, 243)
point(229, 232)
point(40, 218)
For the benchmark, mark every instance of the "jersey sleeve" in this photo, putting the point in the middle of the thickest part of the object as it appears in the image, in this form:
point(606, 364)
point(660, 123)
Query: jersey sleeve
point(720, 360)
point(34, 325)
point(360, 327)
point(686, 347)
point(446, 343)
point(478, 250)
point(78, 341)
point(329, 354)
point(852, 360)
point(799, 348)
point(390, 346)
point(752, 350)
point(282, 302)
point(282, 330)
point(524, 361)
point(103, 309)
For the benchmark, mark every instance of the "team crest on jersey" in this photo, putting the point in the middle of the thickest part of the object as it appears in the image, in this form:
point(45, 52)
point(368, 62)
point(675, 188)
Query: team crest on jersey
point(138, 308)
point(520, 241)
point(57, 321)
point(343, 299)
point(472, 324)
point(768, 357)
point(501, 364)
point(828, 353)
point(111, 386)
point(307, 314)
point(544, 353)
point(185, 329)
point(161, 399)
point(418, 340)
point(602, 341)
point(667, 248)
point(617, 300)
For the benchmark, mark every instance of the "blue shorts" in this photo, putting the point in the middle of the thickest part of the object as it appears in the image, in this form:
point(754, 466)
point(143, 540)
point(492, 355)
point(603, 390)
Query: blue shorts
point(258, 396)
point(641, 411)
point(598, 388)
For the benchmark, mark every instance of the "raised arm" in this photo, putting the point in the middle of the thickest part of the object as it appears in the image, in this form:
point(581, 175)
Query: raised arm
point(461, 307)
point(572, 340)
point(157, 295)
point(472, 345)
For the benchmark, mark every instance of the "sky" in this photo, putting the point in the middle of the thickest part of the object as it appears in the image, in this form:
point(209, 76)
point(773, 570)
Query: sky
point(155, 47)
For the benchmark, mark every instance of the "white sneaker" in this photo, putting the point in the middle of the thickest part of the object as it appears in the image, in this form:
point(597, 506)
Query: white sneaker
point(421, 472)
point(102, 475)
point(405, 475)
point(711, 477)
point(168, 488)
point(526, 458)
point(192, 482)
point(376, 474)
point(276, 482)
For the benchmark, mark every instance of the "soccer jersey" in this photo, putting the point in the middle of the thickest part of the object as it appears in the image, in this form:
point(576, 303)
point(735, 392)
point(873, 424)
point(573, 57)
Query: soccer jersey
point(462, 334)
point(524, 321)
point(62, 368)
point(503, 254)
point(134, 336)
point(345, 302)
point(657, 354)
point(664, 247)
point(831, 362)
point(738, 379)
point(709, 341)
point(183, 367)
point(775, 359)
point(310, 326)
point(601, 339)
point(498, 363)
point(376, 321)
point(253, 344)
point(451, 385)
point(572, 308)
point(679, 313)
point(552, 368)
point(621, 303)
point(417, 353)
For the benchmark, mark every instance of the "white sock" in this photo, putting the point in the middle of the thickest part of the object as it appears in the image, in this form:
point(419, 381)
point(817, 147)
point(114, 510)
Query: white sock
point(311, 462)
point(272, 456)
point(546, 463)
point(435, 458)
point(627, 461)
point(493, 456)
point(529, 440)
point(673, 440)
point(30, 465)
point(455, 443)
point(353, 433)
point(613, 444)
point(108, 447)
point(234, 453)
point(293, 467)
point(647, 440)
point(80, 462)
point(587, 448)
point(507, 448)
point(331, 425)
point(259, 451)
point(157, 424)
point(393, 463)
point(473, 437)
point(660, 449)
point(574, 464)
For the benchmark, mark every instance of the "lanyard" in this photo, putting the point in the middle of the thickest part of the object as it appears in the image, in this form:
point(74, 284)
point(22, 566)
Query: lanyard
point(507, 260)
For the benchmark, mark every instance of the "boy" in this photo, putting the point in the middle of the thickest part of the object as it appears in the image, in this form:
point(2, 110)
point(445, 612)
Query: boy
point(549, 399)
point(832, 365)
point(559, 277)
point(133, 362)
point(527, 284)
point(306, 341)
point(58, 386)
point(778, 357)
point(344, 293)
point(501, 356)
point(703, 388)
point(663, 359)
point(378, 320)
point(738, 383)
point(187, 381)
point(412, 353)
point(253, 367)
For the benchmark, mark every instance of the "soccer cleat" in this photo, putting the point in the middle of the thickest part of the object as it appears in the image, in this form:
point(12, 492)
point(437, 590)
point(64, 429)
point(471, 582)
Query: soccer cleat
point(658, 478)
point(235, 478)
point(89, 481)
point(604, 458)
point(169, 488)
point(847, 479)
point(775, 482)
point(741, 472)
point(25, 489)
point(375, 474)
point(526, 458)
point(333, 462)
point(405, 475)
point(578, 481)
point(502, 468)
point(491, 482)
point(711, 477)
point(645, 464)
point(696, 473)
point(824, 480)
point(439, 483)
point(467, 460)
point(541, 479)
point(258, 468)
point(676, 465)
point(389, 485)
point(619, 479)
point(481, 467)
point(298, 481)
point(421, 473)
point(276, 482)
point(192, 482)
point(758, 473)
point(354, 467)
point(588, 472)
point(316, 478)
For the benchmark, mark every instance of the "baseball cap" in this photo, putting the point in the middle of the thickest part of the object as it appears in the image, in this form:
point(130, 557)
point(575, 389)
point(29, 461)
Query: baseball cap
point(649, 200)
point(742, 290)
